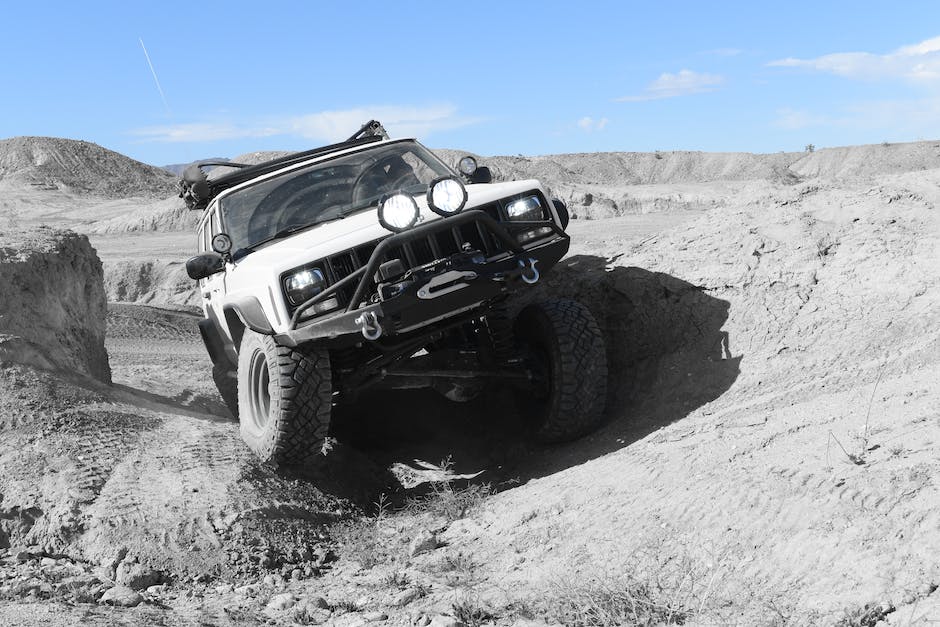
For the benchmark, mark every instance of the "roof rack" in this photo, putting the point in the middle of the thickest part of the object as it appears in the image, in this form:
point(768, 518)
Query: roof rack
point(198, 191)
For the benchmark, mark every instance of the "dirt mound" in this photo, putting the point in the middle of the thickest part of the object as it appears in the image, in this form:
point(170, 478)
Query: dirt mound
point(603, 185)
point(864, 162)
point(151, 282)
point(774, 419)
point(163, 216)
point(50, 163)
point(52, 303)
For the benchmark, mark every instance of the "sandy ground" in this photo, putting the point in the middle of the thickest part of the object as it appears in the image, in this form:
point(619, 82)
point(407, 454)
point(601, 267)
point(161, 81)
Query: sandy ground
point(769, 456)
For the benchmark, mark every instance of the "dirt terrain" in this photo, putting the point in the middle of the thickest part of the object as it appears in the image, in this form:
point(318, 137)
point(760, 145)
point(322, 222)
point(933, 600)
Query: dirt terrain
point(769, 456)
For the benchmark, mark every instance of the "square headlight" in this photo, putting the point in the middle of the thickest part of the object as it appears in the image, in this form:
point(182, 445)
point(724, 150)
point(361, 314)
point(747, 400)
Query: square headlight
point(526, 209)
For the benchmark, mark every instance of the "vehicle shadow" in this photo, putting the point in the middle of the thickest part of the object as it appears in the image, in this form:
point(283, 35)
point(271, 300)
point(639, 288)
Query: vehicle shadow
point(667, 356)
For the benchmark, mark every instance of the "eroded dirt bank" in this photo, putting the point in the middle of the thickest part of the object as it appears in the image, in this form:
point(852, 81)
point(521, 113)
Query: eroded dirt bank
point(52, 303)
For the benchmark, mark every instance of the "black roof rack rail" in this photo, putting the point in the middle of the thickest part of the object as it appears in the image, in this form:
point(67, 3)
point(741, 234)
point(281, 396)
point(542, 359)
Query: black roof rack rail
point(198, 191)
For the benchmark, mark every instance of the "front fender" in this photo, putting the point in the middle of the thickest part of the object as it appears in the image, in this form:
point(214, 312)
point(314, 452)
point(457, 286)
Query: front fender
point(246, 312)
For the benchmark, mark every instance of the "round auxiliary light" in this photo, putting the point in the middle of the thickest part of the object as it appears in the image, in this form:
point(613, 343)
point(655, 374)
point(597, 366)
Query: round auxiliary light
point(467, 165)
point(446, 196)
point(398, 212)
point(222, 243)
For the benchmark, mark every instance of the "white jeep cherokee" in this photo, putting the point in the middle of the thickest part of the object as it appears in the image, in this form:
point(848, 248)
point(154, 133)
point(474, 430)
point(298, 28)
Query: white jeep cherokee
point(373, 263)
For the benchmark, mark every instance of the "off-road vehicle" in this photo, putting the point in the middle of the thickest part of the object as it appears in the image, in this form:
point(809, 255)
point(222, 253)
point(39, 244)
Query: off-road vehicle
point(373, 263)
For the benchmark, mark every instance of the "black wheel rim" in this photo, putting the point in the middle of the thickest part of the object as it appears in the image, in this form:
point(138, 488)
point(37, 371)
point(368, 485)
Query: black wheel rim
point(259, 395)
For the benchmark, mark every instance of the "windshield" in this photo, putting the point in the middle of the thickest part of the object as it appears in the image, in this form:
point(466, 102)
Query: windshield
point(328, 190)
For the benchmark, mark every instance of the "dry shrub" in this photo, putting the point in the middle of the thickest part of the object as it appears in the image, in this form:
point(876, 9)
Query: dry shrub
point(364, 540)
point(472, 613)
point(648, 590)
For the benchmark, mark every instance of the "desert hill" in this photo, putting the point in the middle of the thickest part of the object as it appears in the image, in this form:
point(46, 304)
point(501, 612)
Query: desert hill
point(50, 163)
point(177, 168)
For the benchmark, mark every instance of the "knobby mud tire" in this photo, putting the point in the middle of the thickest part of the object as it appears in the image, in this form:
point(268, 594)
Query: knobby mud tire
point(284, 399)
point(564, 342)
point(226, 382)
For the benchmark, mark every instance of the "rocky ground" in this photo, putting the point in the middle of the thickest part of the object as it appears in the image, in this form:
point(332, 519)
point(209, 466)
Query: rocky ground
point(769, 457)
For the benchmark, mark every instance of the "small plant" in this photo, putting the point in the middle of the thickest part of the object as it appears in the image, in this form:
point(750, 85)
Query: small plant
point(867, 615)
point(810, 148)
point(363, 540)
point(397, 580)
point(472, 614)
point(344, 607)
point(458, 569)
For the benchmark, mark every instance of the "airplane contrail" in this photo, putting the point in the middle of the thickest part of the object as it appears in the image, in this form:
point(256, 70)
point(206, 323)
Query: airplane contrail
point(155, 79)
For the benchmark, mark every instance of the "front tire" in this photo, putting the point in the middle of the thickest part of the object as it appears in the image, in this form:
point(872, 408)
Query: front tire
point(284, 399)
point(565, 348)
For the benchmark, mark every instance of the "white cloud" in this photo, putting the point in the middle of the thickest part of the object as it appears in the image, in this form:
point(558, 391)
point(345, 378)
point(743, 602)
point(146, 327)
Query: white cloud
point(325, 126)
point(685, 83)
point(398, 121)
point(918, 63)
point(796, 119)
point(589, 124)
point(913, 117)
point(202, 132)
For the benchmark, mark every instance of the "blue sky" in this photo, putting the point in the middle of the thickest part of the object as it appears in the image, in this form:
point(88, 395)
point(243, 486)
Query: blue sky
point(492, 78)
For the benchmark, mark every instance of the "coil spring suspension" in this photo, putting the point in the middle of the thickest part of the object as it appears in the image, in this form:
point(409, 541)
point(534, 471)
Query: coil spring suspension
point(502, 337)
point(343, 360)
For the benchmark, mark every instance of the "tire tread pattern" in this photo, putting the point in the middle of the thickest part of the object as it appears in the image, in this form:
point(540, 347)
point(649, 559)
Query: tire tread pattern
point(571, 337)
point(301, 401)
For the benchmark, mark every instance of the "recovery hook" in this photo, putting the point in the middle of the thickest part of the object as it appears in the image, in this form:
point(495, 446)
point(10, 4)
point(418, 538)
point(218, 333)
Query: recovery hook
point(369, 325)
point(534, 276)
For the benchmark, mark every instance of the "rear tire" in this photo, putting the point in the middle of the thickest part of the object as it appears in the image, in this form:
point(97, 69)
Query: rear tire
point(284, 399)
point(565, 347)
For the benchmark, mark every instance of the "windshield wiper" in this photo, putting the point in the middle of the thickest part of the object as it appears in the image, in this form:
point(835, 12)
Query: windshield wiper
point(290, 230)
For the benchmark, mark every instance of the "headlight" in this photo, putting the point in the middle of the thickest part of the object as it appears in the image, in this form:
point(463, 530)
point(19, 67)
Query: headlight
point(528, 209)
point(398, 212)
point(304, 285)
point(467, 165)
point(446, 196)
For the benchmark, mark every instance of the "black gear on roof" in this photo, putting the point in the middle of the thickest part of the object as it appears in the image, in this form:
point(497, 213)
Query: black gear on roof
point(198, 191)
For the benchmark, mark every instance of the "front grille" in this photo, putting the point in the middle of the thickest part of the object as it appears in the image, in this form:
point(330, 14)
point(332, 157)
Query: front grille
point(432, 247)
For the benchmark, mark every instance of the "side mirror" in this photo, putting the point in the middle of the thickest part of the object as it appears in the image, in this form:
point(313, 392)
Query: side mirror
point(202, 266)
point(481, 175)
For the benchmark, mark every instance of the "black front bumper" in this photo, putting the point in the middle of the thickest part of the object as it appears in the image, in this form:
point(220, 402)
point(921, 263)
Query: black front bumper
point(447, 288)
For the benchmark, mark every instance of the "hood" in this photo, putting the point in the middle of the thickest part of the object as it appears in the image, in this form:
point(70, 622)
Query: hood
point(362, 227)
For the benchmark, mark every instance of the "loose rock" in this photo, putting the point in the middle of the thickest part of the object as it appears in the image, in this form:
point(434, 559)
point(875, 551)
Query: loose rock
point(121, 596)
point(136, 576)
point(405, 597)
point(283, 601)
point(425, 541)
